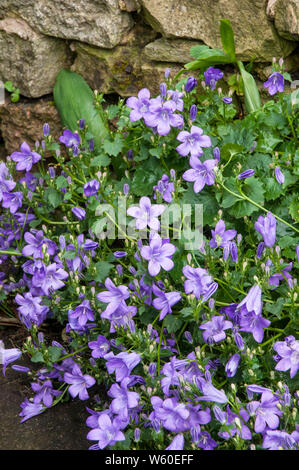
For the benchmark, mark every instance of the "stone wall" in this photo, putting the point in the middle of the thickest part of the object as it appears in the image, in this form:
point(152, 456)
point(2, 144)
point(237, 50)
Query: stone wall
point(119, 46)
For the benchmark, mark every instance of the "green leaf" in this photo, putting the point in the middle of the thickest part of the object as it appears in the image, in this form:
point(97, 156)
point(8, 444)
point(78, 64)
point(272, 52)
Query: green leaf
point(204, 63)
point(74, 100)
point(61, 182)
point(103, 269)
point(172, 323)
point(294, 209)
point(9, 86)
point(53, 197)
point(251, 93)
point(37, 357)
point(276, 308)
point(115, 146)
point(54, 353)
point(100, 160)
point(227, 39)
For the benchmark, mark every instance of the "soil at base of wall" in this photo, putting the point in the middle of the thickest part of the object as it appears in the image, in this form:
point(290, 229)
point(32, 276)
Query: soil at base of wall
point(59, 428)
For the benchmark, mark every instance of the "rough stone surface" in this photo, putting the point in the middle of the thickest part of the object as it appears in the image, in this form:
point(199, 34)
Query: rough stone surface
point(255, 35)
point(170, 50)
point(116, 70)
point(29, 59)
point(291, 65)
point(97, 22)
point(153, 74)
point(23, 121)
point(286, 19)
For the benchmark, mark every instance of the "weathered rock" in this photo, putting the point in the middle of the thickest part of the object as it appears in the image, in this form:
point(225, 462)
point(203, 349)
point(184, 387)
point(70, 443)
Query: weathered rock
point(116, 70)
point(23, 121)
point(170, 50)
point(291, 65)
point(153, 74)
point(255, 35)
point(29, 59)
point(97, 22)
point(286, 19)
point(128, 5)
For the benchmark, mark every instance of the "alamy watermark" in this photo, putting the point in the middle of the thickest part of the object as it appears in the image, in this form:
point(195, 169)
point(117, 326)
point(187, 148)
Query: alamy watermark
point(295, 86)
point(177, 222)
point(2, 93)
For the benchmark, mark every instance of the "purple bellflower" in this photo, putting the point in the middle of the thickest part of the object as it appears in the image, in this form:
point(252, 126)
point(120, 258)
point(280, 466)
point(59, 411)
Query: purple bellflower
point(140, 105)
point(158, 254)
point(288, 355)
point(192, 142)
point(162, 116)
point(107, 432)
point(266, 411)
point(146, 214)
point(70, 139)
point(200, 173)
point(212, 76)
point(275, 83)
point(78, 382)
point(266, 226)
point(164, 301)
point(8, 355)
point(25, 159)
point(123, 399)
point(122, 364)
point(114, 296)
point(214, 330)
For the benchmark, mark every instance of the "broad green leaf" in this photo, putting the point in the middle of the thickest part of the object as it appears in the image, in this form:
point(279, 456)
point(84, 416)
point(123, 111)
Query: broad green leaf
point(114, 147)
point(227, 39)
point(103, 269)
point(100, 160)
point(172, 323)
point(74, 100)
point(53, 196)
point(208, 62)
point(251, 93)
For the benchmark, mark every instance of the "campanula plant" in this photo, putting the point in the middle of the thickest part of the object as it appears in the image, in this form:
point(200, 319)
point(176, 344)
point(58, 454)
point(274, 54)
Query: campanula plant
point(166, 248)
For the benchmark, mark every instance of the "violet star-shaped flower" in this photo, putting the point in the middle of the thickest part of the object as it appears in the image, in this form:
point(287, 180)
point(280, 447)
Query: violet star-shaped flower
point(114, 296)
point(214, 330)
point(266, 226)
point(44, 393)
point(158, 253)
point(91, 187)
point(220, 236)
point(200, 173)
point(53, 279)
point(70, 139)
point(192, 142)
point(275, 83)
point(288, 353)
point(140, 105)
point(8, 355)
point(100, 347)
point(146, 214)
point(122, 364)
point(164, 301)
point(124, 400)
point(6, 183)
point(198, 281)
point(83, 313)
point(266, 411)
point(212, 76)
point(25, 159)
point(162, 116)
point(12, 201)
point(107, 432)
point(78, 382)
point(30, 409)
